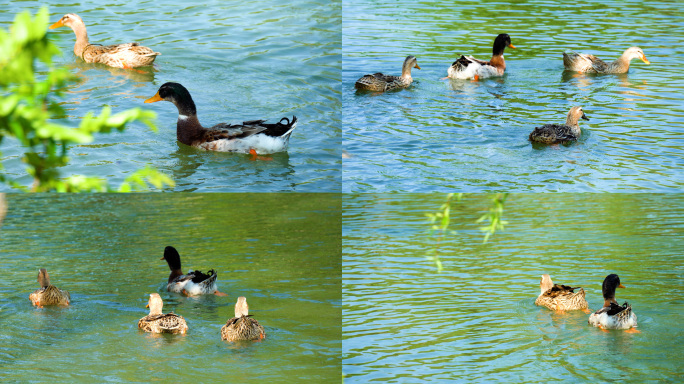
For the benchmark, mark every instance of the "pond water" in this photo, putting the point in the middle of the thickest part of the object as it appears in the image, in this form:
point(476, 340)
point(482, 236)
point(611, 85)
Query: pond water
point(239, 60)
point(281, 251)
point(473, 136)
point(476, 321)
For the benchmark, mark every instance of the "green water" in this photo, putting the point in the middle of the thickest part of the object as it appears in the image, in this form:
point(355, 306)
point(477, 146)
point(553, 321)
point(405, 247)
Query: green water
point(281, 251)
point(476, 321)
point(441, 135)
point(239, 60)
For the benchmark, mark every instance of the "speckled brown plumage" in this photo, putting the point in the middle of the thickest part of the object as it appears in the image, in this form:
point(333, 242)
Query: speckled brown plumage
point(48, 294)
point(157, 322)
point(242, 326)
point(560, 133)
point(127, 55)
point(558, 297)
point(380, 83)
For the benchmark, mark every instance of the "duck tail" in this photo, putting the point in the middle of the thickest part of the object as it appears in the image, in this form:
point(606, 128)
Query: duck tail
point(291, 124)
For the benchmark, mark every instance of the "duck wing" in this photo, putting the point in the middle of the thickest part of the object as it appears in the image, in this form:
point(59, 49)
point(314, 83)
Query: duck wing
point(248, 128)
point(552, 133)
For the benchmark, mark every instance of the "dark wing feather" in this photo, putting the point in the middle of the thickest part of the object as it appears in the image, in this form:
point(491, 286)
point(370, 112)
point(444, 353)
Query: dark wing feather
point(248, 128)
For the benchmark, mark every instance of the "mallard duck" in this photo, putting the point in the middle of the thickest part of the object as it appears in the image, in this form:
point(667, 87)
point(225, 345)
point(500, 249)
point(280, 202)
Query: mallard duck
point(472, 68)
point(557, 133)
point(192, 284)
point(613, 315)
point(48, 294)
point(157, 322)
point(381, 83)
point(242, 326)
point(129, 55)
point(581, 62)
point(557, 297)
point(256, 134)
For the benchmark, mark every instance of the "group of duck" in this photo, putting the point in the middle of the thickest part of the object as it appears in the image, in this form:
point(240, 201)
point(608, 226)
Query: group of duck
point(561, 298)
point(468, 67)
point(253, 137)
point(240, 327)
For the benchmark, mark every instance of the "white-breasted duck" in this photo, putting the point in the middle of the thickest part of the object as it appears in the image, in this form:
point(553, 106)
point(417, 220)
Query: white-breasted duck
point(613, 315)
point(192, 284)
point(472, 68)
point(254, 135)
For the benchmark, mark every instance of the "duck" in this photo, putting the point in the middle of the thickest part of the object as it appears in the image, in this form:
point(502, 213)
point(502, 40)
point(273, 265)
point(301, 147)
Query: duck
point(48, 294)
point(613, 315)
point(158, 322)
point(472, 68)
point(380, 83)
point(254, 135)
point(194, 283)
point(558, 297)
point(560, 133)
point(582, 62)
point(242, 326)
point(129, 55)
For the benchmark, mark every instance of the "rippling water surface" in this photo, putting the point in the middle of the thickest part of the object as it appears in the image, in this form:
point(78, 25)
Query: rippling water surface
point(239, 60)
point(282, 252)
point(444, 134)
point(476, 320)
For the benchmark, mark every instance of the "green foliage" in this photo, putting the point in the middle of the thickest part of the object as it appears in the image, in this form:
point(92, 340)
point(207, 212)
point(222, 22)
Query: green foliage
point(494, 216)
point(29, 101)
point(440, 220)
point(439, 224)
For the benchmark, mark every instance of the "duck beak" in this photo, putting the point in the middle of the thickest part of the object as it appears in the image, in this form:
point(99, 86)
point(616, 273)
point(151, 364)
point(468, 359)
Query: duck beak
point(621, 286)
point(511, 46)
point(148, 305)
point(57, 24)
point(585, 116)
point(162, 256)
point(417, 66)
point(643, 57)
point(154, 99)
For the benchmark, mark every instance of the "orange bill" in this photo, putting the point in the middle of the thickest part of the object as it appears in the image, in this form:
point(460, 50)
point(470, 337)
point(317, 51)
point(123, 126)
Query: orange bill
point(511, 45)
point(621, 286)
point(154, 99)
point(417, 66)
point(645, 59)
point(148, 305)
point(56, 25)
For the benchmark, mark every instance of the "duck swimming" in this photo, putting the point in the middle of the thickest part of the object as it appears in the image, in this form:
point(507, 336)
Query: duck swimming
point(381, 83)
point(613, 315)
point(48, 294)
point(157, 322)
point(472, 68)
point(256, 134)
point(192, 284)
point(557, 133)
point(129, 55)
point(581, 62)
point(557, 297)
point(242, 326)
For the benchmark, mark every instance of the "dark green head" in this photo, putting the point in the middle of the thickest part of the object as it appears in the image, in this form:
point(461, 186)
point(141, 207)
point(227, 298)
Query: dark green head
point(172, 257)
point(500, 43)
point(610, 284)
point(178, 95)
